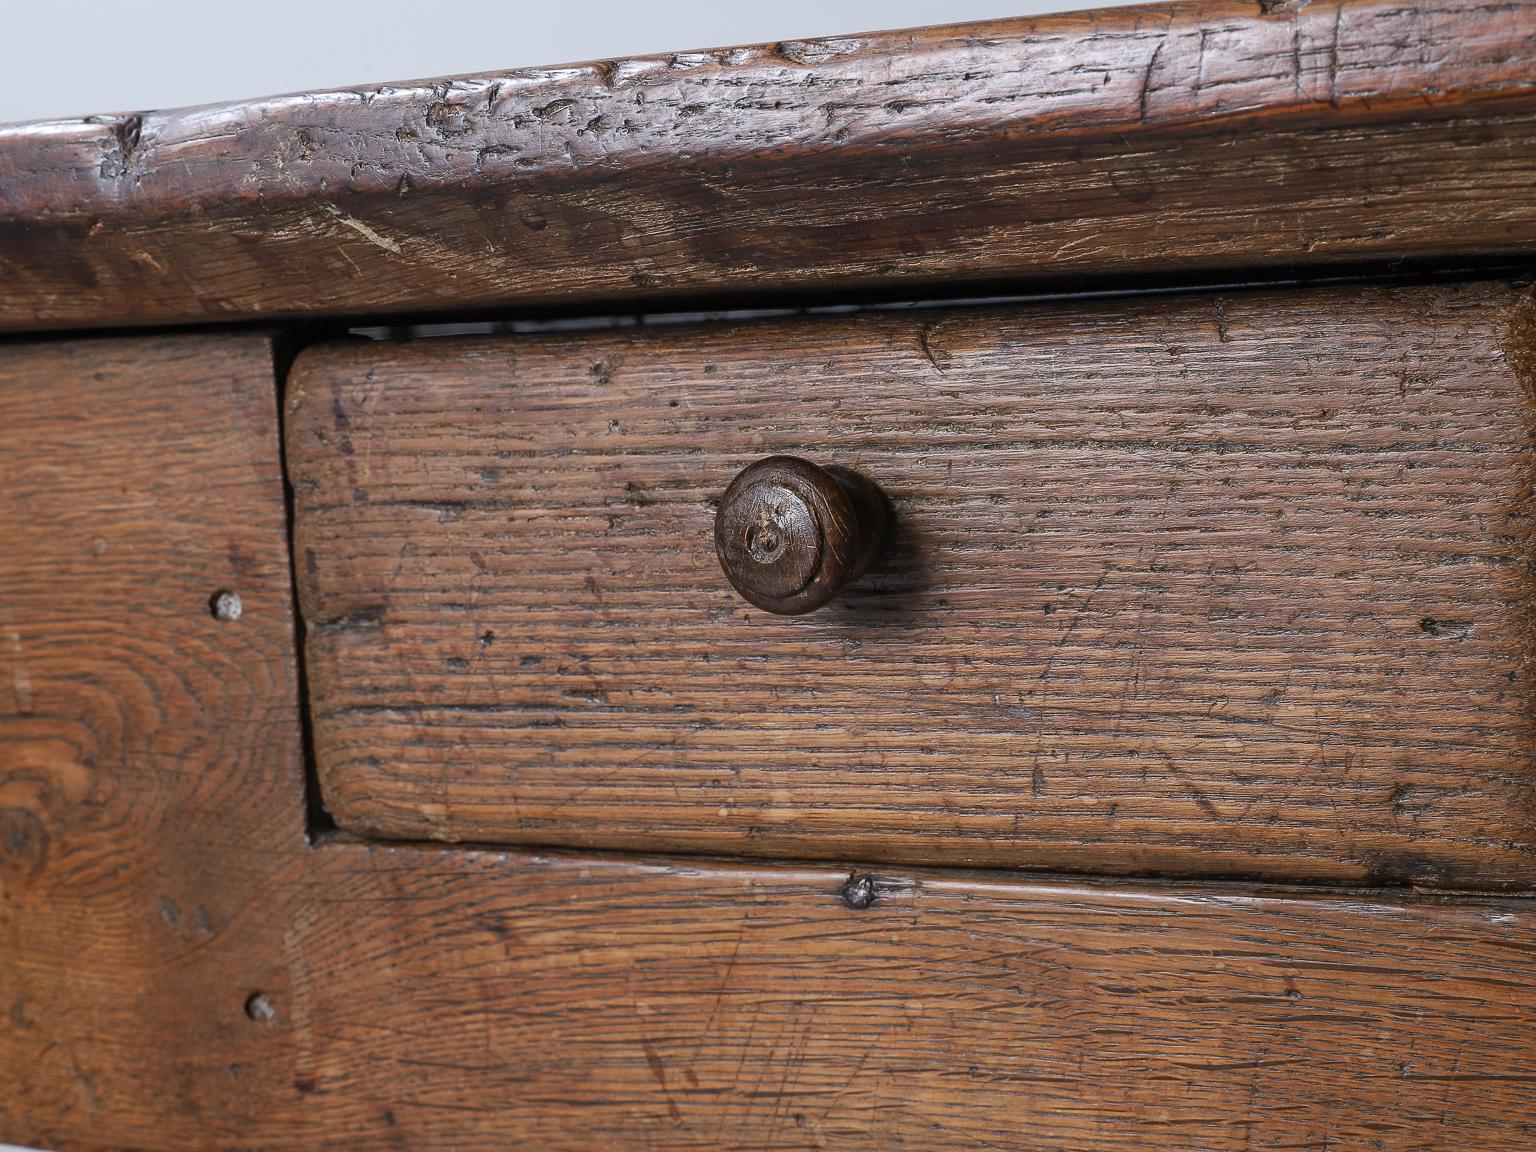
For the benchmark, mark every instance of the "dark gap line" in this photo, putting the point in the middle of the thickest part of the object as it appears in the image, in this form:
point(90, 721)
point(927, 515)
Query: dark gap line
point(318, 822)
point(597, 318)
point(1194, 884)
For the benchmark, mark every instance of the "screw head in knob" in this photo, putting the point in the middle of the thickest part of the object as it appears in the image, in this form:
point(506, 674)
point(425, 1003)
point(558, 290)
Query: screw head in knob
point(791, 535)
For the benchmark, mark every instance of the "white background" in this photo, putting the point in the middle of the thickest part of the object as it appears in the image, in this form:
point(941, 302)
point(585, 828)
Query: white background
point(61, 59)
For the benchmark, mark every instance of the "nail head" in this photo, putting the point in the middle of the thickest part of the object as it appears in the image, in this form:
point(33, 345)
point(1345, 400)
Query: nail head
point(859, 892)
point(259, 1007)
point(227, 606)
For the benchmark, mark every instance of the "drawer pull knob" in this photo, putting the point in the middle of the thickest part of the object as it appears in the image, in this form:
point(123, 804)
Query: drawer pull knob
point(791, 535)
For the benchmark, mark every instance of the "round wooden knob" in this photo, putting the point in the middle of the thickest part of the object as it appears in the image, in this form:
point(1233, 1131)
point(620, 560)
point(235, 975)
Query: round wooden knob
point(790, 535)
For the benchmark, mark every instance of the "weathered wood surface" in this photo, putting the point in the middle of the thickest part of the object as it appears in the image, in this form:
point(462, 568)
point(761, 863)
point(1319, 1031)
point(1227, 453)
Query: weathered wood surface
point(1209, 585)
point(1166, 139)
point(483, 1002)
point(142, 740)
point(180, 970)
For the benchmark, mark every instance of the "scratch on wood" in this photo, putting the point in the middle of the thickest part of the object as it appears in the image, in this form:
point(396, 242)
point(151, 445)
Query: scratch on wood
point(658, 1070)
point(148, 261)
point(1205, 35)
point(373, 237)
point(1333, 55)
point(1296, 60)
point(22, 682)
point(1146, 78)
point(925, 341)
point(1223, 324)
point(1202, 801)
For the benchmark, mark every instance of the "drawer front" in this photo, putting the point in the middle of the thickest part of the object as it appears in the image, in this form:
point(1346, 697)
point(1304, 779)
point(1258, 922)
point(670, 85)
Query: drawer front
point(1227, 584)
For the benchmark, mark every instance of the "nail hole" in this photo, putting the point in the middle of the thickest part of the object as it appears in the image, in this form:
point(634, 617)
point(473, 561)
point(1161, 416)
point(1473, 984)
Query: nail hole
point(259, 1007)
point(1455, 629)
point(225, 605)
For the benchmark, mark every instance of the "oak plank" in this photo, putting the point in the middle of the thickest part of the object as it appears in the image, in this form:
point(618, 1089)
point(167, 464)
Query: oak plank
point(1212, 585)
point(182, 969)
point(480, 1000)
point(1178, 139)
point(141, 738)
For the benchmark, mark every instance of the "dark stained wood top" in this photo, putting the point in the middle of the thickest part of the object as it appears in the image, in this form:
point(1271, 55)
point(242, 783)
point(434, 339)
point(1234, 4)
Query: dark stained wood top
point(1187, 138)
point(1217, 585)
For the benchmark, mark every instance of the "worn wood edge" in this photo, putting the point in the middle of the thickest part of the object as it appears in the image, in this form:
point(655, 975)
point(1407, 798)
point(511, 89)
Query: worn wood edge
point(195, 158)
point(372, 169)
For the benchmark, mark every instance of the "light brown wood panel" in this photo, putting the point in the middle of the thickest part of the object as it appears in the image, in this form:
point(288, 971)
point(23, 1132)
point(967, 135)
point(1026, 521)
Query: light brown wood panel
point(181, 970)
point(1228, 584)
point(142, 740)
point(430, 999)
point(1159, 140)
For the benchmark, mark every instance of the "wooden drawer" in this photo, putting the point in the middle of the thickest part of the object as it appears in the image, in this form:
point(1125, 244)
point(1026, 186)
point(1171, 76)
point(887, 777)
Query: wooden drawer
point(181, 969)
point(1231, 584)
point(1206, 584)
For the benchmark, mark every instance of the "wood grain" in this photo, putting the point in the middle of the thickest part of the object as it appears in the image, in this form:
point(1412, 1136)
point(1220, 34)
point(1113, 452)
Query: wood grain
point(480, 1001)
point(181, 970)
point(141, 738)
point(1171, 139)
point(1208, 585)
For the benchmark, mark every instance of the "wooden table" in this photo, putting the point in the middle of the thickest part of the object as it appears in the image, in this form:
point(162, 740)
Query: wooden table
point(400, 743)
